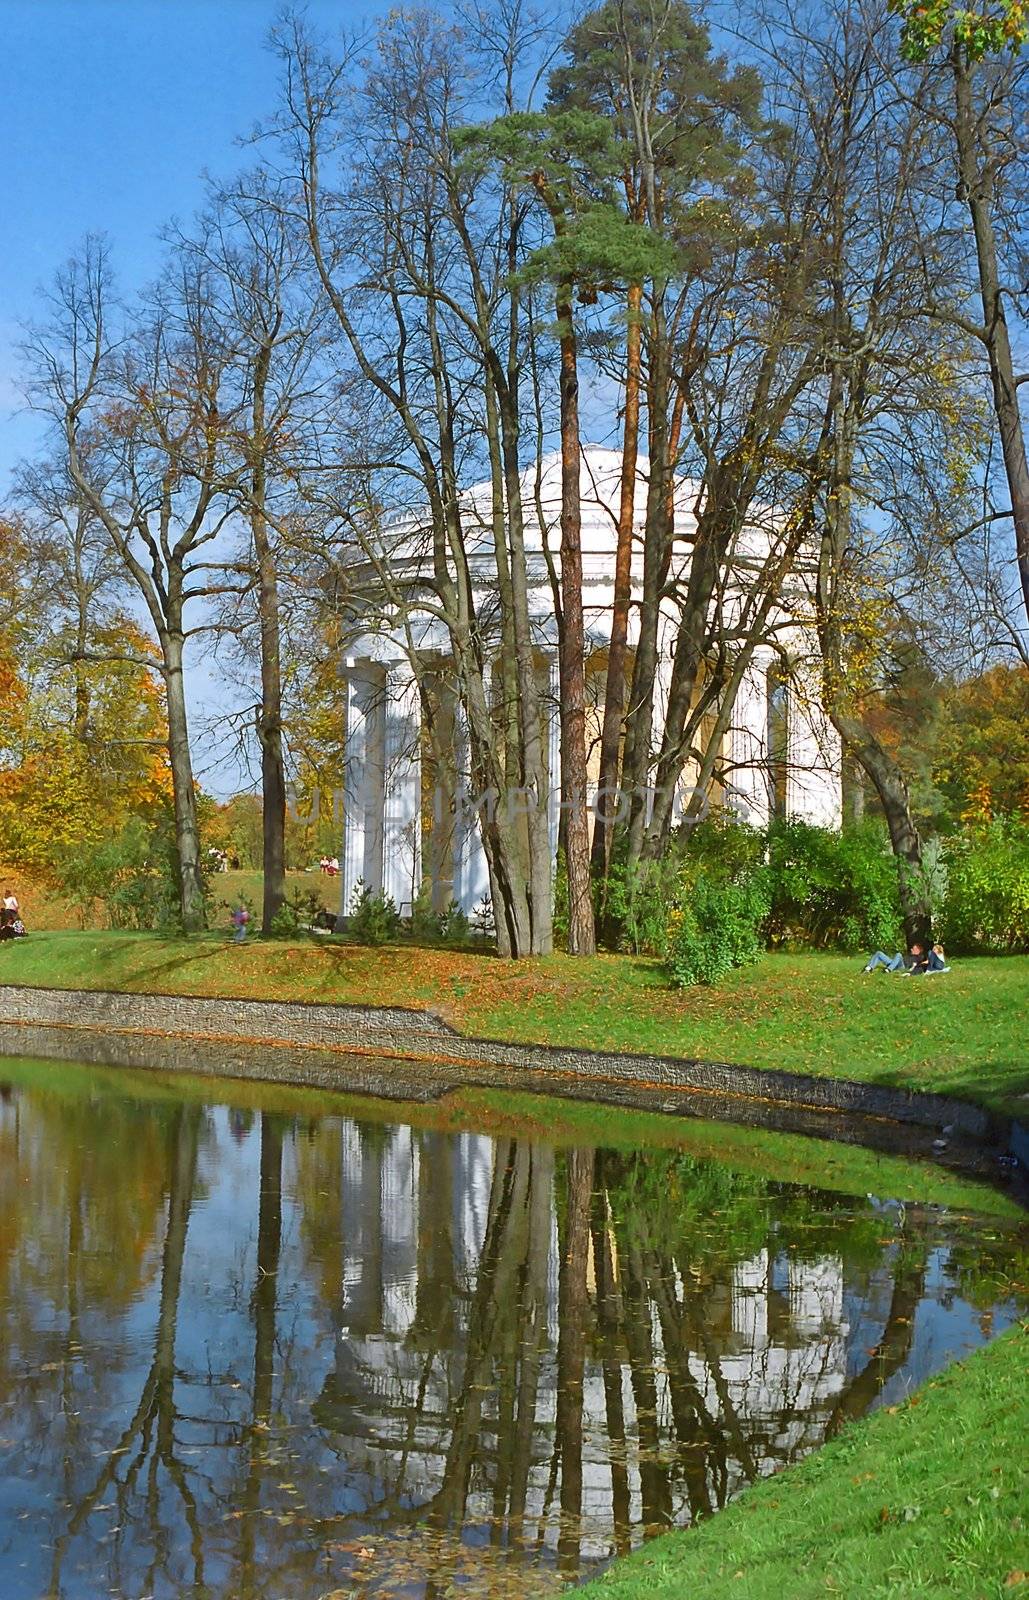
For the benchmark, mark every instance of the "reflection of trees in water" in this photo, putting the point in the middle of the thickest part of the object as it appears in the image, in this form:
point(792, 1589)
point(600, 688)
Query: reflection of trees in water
point(77, 1176)
point(269, 1247)
point(659, 1391)
point(131, 1471)
point(545, 1354)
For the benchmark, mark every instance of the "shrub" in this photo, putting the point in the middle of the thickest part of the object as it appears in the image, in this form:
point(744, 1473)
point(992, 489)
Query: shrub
point(987, 900)
point(130, 880)
point(452, 925)
point(639, 900)
point(715, 927)
point(374, 918)
point(726, 847)
point(424, 921)
point(483, 923)
point(298, 913)
point(721, 901)
point(828, 889)
point(642, 896)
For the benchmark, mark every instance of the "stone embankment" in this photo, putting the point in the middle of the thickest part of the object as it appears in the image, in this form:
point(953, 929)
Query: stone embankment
point(409, 1054)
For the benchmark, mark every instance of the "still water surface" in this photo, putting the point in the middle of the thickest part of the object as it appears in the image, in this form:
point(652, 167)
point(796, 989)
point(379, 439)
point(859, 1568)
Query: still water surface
point(251, 1353)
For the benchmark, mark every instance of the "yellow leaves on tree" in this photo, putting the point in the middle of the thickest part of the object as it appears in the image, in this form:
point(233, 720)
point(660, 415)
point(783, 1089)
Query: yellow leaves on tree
point(126, 729)
point(47, 804)
point(82, 748)
point(982, 756)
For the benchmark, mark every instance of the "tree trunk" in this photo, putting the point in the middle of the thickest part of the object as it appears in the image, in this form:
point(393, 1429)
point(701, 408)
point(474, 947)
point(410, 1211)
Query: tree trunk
point(892, 790)
point(607, 1328)
point(581, 936)
point(269, 716)
point(536, 779)
point(263, 1304)
point(187, 832)
point(852, 790)
point(657, 536)
point(844, 712)
point(614, 688)
point(269, 732)
point(975, 186)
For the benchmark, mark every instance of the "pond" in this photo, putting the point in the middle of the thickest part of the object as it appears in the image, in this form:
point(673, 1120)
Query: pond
point(253, 1345)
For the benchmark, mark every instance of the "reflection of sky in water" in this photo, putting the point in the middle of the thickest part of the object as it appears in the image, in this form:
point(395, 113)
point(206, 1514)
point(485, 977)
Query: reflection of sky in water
point(384, 1330)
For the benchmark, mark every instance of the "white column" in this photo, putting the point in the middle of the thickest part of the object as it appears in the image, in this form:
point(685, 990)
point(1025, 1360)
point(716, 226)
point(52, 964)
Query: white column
point(352, 865)
point(750, 1301)
point(471, 873)
point(402, 822)
point(747, 788)
point(813, 784)
point(362, 781)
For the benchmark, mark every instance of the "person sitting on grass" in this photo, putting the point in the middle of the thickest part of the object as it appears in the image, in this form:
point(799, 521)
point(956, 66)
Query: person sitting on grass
point(937, 960)
point(916, 960)
point(11, 925)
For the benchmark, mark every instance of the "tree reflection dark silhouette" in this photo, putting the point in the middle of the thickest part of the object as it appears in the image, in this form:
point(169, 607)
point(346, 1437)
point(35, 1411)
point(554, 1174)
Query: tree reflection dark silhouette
point(148, 1442)
point(269, 1245)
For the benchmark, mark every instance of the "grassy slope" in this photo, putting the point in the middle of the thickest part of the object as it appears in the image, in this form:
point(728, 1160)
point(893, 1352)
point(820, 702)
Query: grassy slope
point(923, 1499)
point(961, 1033)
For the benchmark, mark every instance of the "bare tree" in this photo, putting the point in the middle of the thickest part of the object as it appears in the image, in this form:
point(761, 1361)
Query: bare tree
point(139, 413)
point(270, 324)
point(414, 259)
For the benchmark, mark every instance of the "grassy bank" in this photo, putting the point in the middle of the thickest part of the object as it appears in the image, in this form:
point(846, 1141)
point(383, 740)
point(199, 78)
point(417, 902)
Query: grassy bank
point(961, 1033)
point(926, 1498)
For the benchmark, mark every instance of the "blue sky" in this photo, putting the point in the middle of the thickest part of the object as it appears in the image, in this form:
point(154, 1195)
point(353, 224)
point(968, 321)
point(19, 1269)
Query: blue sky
point(112, 111)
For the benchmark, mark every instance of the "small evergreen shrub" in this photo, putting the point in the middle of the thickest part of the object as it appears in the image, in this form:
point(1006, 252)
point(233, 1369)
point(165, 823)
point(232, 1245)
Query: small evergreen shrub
point(374, 918)
point(483, 923)
point(424, 921)
point(298, 913)
point(987, 899)
point(452, 925)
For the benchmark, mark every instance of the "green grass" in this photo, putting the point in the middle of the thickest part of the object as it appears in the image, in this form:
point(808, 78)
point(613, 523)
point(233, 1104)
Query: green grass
point(928, 1498)
point(961, 1033)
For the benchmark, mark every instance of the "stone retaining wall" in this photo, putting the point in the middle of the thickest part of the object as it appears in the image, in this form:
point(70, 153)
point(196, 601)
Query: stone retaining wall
point(420, 1036)
point(425, 1080)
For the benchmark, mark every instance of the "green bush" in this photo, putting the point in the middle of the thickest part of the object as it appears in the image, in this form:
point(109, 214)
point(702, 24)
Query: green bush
point(715, 927)
point(729, 849)
point(298, 913)
point(831, 890)
point(424, 920)
point(639, 899)
point(721, 901)
point(641, 896)
point(987, 899)
point(374, 918)
point(128, 881)
point(452, 925)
